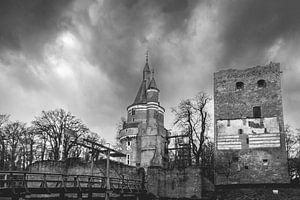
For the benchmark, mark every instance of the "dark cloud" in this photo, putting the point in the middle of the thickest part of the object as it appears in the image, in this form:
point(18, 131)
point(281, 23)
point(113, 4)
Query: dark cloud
point(252, 26)
point(126, 24)
point(27, 26)
point(87, 56)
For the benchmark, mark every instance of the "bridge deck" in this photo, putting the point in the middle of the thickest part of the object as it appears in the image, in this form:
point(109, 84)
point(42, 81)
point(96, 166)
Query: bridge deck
point(22, 183)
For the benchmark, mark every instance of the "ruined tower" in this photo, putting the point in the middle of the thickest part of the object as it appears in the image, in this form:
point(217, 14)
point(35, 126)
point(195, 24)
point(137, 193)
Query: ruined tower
point(249, 127)
point(143, 137)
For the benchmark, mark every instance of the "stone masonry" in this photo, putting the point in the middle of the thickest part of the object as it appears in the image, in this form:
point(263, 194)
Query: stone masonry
point(249, 127)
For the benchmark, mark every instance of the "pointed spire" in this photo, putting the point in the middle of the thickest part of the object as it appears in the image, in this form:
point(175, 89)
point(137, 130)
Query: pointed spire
point(147, 56)
point(152, 72)
point(146, 68)
point(146, 71)
point(152, 84)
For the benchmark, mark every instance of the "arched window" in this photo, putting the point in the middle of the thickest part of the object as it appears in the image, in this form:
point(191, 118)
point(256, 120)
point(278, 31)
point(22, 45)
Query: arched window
point(261, 83)
point(239, 86)
point(128, 159)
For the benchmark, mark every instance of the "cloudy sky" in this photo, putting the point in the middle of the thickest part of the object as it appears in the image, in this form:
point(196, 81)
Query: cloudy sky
point(87, 56)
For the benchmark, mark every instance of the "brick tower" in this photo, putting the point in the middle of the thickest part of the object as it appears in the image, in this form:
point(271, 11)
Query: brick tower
point(143, 137)
point(249, 128)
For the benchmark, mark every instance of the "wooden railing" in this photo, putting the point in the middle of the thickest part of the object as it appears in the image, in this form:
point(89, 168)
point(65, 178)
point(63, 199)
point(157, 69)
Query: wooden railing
point(14, 183)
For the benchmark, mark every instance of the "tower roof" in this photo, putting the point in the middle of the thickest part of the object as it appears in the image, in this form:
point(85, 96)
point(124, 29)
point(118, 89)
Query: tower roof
point(146, 68)
point(152, 84)
point(141, 96)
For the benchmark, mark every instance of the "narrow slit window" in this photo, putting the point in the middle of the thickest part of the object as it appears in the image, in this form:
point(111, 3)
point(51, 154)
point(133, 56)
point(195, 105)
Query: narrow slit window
point(228, 122)
point(256, 112)
point(247, 140)
point(128, 159)
point(133, 112)
point(128, 143)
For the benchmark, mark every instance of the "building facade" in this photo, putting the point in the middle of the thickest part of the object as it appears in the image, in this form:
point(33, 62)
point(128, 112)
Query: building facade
point(249, 126)
point(143, 137)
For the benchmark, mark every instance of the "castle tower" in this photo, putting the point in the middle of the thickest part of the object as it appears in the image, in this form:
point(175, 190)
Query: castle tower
point(249, 127)
point(143, 137)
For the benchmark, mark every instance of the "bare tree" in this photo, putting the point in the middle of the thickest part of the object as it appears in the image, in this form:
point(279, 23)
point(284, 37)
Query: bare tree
point(3, 120)
point(208, 159)
point(192, 117)
point(13, 132)
point(61, 130)
point(28, 140)
point(292, 140)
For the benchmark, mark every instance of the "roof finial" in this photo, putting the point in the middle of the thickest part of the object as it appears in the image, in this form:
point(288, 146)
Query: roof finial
point(147, 55)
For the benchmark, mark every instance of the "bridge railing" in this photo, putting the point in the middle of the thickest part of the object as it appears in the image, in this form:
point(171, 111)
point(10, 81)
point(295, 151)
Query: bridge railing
point(27, 180)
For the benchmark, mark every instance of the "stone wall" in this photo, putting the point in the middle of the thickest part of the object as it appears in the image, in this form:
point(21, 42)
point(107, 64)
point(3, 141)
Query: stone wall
point(174, 183)
point(78, 166)
point(261, 192)
point(256, 142)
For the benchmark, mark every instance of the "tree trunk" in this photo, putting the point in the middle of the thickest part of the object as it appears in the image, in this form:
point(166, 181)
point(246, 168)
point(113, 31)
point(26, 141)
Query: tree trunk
point(2, 156)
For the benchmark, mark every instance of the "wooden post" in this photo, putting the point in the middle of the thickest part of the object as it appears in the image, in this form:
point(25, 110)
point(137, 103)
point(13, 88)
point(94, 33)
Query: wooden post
point(77, 184)
point(90, 194)
point(5, 182)
point(107, 175)
point(62, 195)
point(92, 164)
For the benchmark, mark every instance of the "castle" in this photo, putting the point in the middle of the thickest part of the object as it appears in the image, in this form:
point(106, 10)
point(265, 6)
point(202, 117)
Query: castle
point(144, 138)
point(249, 127)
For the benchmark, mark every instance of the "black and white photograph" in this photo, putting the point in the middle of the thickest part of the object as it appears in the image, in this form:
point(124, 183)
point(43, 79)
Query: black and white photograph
point(149, 99)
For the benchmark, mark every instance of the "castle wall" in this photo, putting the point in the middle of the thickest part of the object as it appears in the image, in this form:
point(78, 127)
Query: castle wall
point(254, 192)
point(249, 127)
point(174, 183)
point(129, 147)
point(80, 167)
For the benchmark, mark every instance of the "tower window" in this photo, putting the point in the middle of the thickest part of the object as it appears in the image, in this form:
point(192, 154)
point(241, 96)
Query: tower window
point(256, 112)
point(247, 140)
point(128, 159)
point(133, 119)
point(228, 122)
point(265, 162)
point(235, 159)
point(239, 86)
point(261, 83)
point(128, 143)
point(133, 112)
point(240, 131)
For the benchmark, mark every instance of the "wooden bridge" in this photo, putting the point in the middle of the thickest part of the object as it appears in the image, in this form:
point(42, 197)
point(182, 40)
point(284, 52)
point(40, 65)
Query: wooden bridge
point(20, 184)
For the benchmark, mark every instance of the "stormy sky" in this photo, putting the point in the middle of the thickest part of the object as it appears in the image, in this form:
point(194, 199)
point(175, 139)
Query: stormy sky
point(87, 56)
